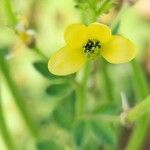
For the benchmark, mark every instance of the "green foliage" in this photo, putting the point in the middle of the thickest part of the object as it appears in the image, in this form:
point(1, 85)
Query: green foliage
point(104, 6)
point(91, 143)
point(106, 109)
point(63, 128)
point(65, 112)
point(79, 131)
point(58, 89)
point(104, 132)
point(48, 145)
point(92, 9)
point(42, 68)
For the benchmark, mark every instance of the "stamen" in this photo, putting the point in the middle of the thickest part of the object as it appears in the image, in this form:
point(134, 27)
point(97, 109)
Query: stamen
point(92, 47)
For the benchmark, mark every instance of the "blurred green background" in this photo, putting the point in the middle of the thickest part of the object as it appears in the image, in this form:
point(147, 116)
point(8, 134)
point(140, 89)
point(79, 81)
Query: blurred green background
point(50, 102)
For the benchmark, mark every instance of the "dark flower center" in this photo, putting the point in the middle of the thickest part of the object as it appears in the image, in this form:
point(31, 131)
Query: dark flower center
point(92, 47)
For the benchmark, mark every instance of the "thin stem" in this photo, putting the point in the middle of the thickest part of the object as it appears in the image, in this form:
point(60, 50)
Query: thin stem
point(17, 96)
point(103, 117)
point(140, 130)
point(4, 131)
point(139, 110)
point(40, 53)
point(81, 91)
point(9, 12)
point(139, 80)
point(80, 101)
point(108, 85)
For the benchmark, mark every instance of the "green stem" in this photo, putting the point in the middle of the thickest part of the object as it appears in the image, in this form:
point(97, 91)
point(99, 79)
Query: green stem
point(81, 91)
point(108, 85)
point(17, 96)
point(40, 53)
point(139, 80)
point(140, 130)
point(4, 131)
point(9, 12)
point(139, 110)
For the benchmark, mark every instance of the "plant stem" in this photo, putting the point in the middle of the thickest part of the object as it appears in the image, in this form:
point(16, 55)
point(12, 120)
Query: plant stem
point(40, 53)
point(9, 12)
point(139, 110)
point(4, 131)
point(140, 80)
point(140, 130)
point(81, 91)
point(17, 96)
point(108, 85)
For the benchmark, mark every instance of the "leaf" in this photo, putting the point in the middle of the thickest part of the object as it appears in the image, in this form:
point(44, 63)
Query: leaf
point(64, 112)
point(41, 67)
point(48, 145)
point(104, 6)
point(104, 132)
point(79, 132)
point(91, 144)
point(106, 109)
point(116, 28)
point(58, 89)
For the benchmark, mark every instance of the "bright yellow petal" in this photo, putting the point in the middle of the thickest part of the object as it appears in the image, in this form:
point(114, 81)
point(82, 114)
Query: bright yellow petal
point(75, 35)
point(66, 61)
point(118, 50)
point(99, 31)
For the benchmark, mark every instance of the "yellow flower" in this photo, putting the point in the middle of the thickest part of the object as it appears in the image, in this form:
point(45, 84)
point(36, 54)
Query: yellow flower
point(89, 42)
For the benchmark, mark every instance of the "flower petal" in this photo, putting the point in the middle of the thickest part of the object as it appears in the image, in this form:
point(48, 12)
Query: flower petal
point(66, 61)
point(75, 35)
point(118, 50)
point(99, 31)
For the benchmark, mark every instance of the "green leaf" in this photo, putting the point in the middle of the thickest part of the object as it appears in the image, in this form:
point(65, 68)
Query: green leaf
point(91, 144)
point(58, 89)
point(79, 132)
point(42, 68)
point(48, 145)
point(106, 109)
point(116, 28)
point(64, 112)
point(104, 132)
point(104, 6)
